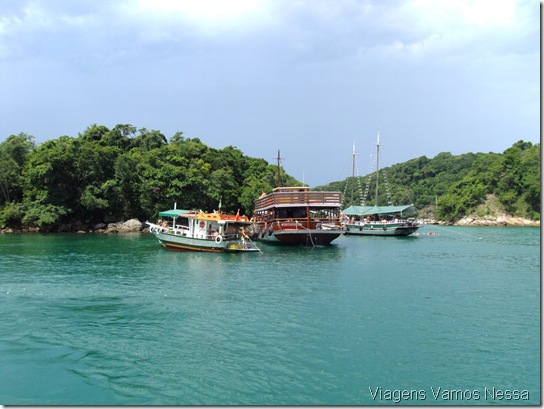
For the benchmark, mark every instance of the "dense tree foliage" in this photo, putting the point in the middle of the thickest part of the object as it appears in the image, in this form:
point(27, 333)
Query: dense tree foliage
point(448, 187)
point(13, 153)
point(513, 177)
point(107, 175)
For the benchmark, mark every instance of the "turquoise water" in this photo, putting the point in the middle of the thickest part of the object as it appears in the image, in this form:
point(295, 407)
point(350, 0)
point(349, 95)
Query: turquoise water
point(115, 319)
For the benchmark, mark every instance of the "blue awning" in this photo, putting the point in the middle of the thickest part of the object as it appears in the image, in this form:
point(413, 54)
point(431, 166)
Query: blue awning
point(372, 210)
point(173, 213)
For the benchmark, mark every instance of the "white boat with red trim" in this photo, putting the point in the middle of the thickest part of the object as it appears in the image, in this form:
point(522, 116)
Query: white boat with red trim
point(198, 231)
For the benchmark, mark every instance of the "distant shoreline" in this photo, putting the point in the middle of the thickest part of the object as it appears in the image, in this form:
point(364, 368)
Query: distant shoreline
point(501, 220)
point(135, 226)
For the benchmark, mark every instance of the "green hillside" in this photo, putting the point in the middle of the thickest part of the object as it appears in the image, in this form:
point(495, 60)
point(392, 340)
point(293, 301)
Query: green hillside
point(448, 187)
point(108, 175)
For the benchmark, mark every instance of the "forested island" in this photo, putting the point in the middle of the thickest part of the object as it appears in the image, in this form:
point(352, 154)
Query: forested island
point(104, 176)
point(453, 188)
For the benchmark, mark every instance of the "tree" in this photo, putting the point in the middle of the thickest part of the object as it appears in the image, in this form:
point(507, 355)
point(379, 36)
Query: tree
point(13, 154)
point(117, 174)
point(94, 132)
point(148, 140)
point(119, 136)
point(50, 174)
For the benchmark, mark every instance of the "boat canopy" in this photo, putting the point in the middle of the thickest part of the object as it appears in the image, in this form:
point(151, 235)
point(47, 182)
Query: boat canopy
point(371, 210)
point(221, 218)
point(173, 213)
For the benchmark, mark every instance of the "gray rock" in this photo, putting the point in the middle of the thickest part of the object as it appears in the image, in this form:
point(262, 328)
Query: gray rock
point(130, 226)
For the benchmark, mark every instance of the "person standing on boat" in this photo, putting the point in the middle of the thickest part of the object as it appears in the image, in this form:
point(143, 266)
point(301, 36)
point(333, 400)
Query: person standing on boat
point(244, 237)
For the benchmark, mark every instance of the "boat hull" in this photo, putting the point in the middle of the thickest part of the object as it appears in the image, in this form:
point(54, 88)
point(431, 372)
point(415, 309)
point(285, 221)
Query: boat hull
point(380, 229)
point(303, 237)
point(183, 243)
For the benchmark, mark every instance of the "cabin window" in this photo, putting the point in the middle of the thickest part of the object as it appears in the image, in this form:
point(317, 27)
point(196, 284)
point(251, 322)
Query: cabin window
point(326, 213)
point(298, 213)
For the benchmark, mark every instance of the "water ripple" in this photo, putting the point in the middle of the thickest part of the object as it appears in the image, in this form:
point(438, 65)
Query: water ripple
point(109, 320)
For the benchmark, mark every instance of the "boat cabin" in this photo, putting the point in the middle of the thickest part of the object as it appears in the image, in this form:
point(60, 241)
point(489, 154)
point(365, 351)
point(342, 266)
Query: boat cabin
point(292, 203)
point(377, 214)
point(200, 225)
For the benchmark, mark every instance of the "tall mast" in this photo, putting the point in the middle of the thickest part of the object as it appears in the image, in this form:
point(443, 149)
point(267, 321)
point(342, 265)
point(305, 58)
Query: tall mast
point(377, 166)
point(353, 173)
point(279, 176)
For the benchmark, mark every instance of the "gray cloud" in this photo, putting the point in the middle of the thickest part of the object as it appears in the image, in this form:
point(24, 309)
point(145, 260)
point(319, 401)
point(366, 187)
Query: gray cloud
point(305, 76)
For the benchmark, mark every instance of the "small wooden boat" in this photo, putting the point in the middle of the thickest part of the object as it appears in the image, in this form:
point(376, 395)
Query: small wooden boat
point(198, 231)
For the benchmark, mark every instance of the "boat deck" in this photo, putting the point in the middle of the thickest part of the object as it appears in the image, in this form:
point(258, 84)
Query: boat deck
point(298, 197)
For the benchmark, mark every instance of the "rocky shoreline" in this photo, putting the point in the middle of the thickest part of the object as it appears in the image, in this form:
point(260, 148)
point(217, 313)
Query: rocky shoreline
point(135, 226)
point(129, 226)
point(499, 220)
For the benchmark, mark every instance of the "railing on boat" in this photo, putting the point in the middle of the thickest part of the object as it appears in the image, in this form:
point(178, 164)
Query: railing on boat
point(395, 221)
point(289, 224)
point(327, 199)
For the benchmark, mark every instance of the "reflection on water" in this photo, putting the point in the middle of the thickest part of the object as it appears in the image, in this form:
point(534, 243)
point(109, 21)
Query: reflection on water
point(115, 319)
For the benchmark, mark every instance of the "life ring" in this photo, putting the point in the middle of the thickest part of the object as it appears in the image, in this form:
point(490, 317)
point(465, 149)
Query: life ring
point(202, 224)
point(219, 239)
point(384, 228)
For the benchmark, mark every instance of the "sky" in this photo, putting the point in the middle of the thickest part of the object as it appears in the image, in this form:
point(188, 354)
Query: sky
point(309, 77)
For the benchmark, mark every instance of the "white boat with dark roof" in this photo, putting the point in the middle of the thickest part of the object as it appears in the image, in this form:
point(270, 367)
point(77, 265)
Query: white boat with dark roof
point(379, 220)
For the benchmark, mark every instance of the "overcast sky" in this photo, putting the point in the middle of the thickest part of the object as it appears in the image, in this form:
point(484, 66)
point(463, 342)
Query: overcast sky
point(309, 77)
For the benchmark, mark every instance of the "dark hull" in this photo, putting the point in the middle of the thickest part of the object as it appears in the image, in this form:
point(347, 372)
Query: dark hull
point(380, 230)
point(312, 238)
point(301, 237)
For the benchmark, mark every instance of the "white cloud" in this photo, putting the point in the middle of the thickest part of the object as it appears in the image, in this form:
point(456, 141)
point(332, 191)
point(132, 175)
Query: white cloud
point(204, 11)
point(442, 28)
point(483, 14)
point(316, 30)
point(280, 69)
point(206, 18)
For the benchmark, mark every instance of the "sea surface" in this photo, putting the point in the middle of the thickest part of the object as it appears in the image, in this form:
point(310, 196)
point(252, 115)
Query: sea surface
point(451, 318)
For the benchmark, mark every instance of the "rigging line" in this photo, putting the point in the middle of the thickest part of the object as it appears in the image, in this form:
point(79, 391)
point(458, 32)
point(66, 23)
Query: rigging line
point(343, 171)
point(305, 228)
point(359, 183)
point(312, 240)
point(463, 234)
point(368, 180)
point(387, 190)
point(249, 238)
